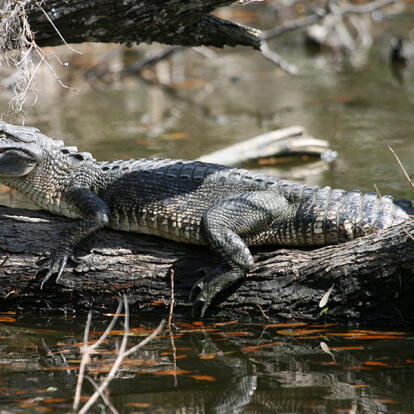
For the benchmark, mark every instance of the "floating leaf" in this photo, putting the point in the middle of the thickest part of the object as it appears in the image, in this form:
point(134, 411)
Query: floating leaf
point(44, 409)
point(299, 332)
point(209, 356)
point(386, 401)
point(172, 372)
point(138, 404)
point(346, 348)
point(203, 378)
point(67, 368)
point(55, 400)
point(376, 363)
point(7, 319)
point(235, 333)
point(285, 325)
point(258, 348)
point(368, 332)
point(225, 323)
point(159, 302)
point(181, 356)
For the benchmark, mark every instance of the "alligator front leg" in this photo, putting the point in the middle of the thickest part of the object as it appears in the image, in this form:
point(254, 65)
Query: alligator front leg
point(248, 214)
point(95, 215)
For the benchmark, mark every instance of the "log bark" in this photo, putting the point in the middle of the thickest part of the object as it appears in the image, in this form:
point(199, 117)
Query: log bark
point(371, 276)
point(175, 22)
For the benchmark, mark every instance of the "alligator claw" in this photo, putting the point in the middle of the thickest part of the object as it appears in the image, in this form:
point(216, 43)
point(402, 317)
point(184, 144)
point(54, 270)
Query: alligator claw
point(206, 290)
point(57, 260)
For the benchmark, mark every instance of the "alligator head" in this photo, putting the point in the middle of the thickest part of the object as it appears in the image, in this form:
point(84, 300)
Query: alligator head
point(20, 150)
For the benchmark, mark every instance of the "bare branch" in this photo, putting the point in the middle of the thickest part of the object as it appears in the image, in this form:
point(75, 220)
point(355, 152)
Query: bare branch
point(294, 25)
point(277, 59)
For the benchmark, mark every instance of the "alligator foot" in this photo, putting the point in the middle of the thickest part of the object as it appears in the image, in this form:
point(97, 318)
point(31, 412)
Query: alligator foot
point(207, 289)
point(55, 263)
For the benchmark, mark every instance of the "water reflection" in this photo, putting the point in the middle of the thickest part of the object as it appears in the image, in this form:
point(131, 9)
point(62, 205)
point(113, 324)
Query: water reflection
point(213, 368)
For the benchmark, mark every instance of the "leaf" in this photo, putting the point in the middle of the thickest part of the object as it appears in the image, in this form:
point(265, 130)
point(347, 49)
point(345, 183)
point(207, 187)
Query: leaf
point(138, 404)
point(172, 372)
point(225, 323)
point(7, 319)
point(285, 325)
point(325, 297)
point(346, 348)
point(376, 363)
point(209, 356)
point(159, 302)
point(258, 348)
point(203, 378)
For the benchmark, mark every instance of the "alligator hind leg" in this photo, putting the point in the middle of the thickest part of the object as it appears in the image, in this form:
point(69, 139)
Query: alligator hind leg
point(225, 225)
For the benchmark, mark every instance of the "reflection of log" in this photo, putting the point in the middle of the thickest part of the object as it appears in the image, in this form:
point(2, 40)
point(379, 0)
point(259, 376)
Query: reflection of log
point(287, 141)
point(369, 280)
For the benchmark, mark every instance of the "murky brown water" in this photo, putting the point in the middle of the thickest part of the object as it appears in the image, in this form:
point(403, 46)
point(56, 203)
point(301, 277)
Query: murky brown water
point(211, 368)
point(209, 104)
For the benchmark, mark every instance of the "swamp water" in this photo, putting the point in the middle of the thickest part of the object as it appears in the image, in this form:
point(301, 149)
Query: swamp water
point(225, 366)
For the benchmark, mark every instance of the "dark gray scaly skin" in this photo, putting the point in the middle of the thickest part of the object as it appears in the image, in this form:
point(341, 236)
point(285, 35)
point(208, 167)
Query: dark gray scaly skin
point(193, 202)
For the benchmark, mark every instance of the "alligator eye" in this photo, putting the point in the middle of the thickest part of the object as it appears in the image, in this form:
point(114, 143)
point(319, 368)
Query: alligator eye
point(64, 151)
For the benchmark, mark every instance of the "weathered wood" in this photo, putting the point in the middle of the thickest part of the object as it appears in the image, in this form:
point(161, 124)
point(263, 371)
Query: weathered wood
point(280, 142)
point(372, 276)
point(175, 22)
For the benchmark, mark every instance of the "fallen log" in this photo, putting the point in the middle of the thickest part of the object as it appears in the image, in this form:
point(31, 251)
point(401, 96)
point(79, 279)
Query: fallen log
point(177, 22)
point(371, 276)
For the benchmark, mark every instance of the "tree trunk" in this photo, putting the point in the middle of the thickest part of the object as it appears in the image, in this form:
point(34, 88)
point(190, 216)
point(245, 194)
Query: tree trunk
point(371, 276)
point(175, 22)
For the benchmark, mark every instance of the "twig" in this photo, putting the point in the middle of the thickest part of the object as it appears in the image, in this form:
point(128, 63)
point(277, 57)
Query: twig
point(377, 191)
point(174, 350)
point(400, 164)
point(294, 25)
point(43, 56)
point(146, 340)
point(263, 312)
point(109, 328)
point(277, 59)
point(5, 260)
point(366, 8)
point(87, 350)
point(102, 395)
point(172, 301)
point(117, 363)
point(57, 30)
point(84, 362)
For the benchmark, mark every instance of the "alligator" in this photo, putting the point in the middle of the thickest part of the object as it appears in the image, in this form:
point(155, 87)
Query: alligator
point(193, 202)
